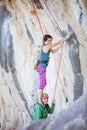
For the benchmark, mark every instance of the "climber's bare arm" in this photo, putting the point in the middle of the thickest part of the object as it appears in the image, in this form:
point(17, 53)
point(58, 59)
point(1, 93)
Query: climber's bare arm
point(50, 46)
point(55, 50)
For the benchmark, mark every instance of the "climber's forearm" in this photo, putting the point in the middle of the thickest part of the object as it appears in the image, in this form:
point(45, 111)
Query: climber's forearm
point(56, 44)
point(55, 50)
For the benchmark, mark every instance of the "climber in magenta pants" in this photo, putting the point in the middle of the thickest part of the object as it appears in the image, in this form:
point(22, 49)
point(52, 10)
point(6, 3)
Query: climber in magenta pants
point(44, 60)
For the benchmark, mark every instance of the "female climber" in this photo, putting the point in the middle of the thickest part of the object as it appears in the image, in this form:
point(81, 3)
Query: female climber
point(46, 48)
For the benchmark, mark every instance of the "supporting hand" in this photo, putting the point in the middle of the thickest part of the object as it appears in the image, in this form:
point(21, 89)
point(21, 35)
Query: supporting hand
point(53, 101)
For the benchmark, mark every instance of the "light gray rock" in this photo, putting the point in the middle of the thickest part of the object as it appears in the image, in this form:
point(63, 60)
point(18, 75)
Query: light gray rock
point(73, 118)
point(20, 39)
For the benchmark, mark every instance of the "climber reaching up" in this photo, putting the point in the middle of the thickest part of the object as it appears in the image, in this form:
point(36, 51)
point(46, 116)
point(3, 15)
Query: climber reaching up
point(41, 110)
point(46, 48)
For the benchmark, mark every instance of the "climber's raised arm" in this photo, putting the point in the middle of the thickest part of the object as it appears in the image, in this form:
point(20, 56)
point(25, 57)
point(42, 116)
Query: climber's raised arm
point(55, 50)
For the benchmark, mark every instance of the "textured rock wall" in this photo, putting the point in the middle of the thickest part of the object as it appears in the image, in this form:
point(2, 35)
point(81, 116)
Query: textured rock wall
point(20, 40)
point(73, 118)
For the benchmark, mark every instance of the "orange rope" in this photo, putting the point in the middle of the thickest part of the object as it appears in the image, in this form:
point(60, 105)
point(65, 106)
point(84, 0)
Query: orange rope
point(37, 17)
point(59, 29)
point(58, 71)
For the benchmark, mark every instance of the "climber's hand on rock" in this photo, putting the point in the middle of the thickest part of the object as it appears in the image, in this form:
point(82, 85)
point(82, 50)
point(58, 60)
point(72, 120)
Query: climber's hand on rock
point(67, 37)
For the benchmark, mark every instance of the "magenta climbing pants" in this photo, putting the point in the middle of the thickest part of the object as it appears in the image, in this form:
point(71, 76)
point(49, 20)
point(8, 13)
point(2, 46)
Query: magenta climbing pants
point(42, 76)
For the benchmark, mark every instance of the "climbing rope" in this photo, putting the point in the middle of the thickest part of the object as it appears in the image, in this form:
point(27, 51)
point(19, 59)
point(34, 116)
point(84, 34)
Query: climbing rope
point(58, 27)
point(60, 59)
point(62, 34)
point(35, 10)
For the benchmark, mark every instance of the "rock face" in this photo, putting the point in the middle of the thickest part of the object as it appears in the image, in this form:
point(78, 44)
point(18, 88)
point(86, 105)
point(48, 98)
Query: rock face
point(22, 24)
point(73, 118)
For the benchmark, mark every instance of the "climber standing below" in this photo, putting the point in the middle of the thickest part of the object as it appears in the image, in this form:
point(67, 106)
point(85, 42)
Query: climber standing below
point(47, 47)
point(41, 110)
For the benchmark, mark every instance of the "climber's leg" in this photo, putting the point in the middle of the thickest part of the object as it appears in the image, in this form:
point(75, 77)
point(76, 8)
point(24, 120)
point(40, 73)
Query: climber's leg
point(42, 78)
